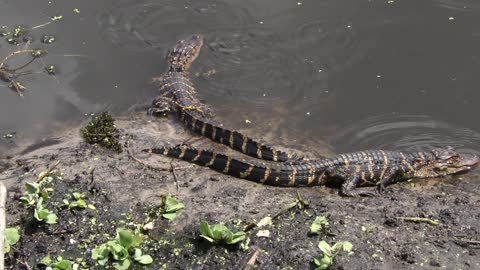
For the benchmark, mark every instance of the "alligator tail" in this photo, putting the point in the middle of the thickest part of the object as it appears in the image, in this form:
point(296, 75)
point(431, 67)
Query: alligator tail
point(276, 174)
point(235, 140)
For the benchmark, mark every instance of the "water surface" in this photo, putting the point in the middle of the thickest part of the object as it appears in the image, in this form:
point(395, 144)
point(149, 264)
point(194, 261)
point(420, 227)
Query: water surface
point(357, 74)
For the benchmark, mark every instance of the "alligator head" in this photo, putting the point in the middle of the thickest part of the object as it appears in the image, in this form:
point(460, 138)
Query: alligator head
point(446, 161)
point(184, 53)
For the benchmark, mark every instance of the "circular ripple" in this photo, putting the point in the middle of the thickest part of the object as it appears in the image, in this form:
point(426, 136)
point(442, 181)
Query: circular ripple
point(405, 132)
point(135, 24)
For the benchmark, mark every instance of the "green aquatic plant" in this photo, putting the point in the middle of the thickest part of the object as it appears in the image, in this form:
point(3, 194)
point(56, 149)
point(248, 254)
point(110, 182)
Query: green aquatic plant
point(170, 206)
point(36, 196)
point(11, 238)
point(59, 263)
point(328, 253)
point(120, 250)
point(101, 130)
point(219, 233)
point(318, 224)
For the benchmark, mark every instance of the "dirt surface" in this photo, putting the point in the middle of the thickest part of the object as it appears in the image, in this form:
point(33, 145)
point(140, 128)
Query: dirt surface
point(124, 191)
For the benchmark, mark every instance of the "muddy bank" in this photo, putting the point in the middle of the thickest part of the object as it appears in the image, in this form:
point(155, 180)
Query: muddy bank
point(124, 192)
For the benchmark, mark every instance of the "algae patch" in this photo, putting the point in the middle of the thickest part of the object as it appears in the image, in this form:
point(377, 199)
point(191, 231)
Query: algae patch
point(102, 130)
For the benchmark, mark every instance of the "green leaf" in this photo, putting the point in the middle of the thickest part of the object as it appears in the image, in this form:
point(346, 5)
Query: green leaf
point(11, 236)
point(32, 187)
point(169, 216)
point(47, 260)
point(138, 253)
point(125, 237)
point(122, 265)
point(172, 205)
point(40, 214)
point(236, 237)
point(118, 251)
point(208, 238)
point(317, 224)
point(51, 219)
point(63, 265)
point(100, 252)
point(78, 195)
point(219, 232)
point(144, 259)
point(325, 248)
point(205, 229)
point(78, 203)
point(347, 246)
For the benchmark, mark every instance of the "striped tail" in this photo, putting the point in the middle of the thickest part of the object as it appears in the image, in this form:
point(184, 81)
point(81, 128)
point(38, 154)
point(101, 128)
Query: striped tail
point(235, 140)
point(275, 175)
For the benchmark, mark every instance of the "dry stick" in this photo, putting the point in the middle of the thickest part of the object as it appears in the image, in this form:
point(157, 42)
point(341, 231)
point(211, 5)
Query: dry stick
point(129, 151)
point(13, 54)
point(43, 174)
point(174, 175)
point(24, 264)
point(165, 169)
point(252, 260)
point(419, 219)
point(3, 200)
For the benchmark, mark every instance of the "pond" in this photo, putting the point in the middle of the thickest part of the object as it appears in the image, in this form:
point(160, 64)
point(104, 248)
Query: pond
point(356, 74)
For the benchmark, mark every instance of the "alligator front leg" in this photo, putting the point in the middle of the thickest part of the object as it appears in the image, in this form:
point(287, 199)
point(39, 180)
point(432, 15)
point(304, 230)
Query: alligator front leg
point(349, 187)
point(162, 105)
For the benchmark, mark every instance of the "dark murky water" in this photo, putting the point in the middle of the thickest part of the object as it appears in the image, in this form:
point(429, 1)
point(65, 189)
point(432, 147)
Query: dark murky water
point(358, 74)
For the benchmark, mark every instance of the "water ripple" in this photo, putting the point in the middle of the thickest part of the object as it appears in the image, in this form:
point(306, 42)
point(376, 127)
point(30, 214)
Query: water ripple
point(405, 132)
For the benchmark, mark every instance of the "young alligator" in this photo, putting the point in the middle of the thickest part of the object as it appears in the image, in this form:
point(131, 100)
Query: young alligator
point(178, 94)
point(365, 168)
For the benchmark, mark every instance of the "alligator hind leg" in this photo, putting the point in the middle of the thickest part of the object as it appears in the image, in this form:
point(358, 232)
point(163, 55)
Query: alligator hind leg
point(349, 188)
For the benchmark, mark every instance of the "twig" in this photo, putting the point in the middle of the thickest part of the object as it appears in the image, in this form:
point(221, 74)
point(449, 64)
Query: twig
point(252, 260)
point(13, 54)
point(419, 219)
point(467, 243)
point(174, 175)
point(3, 200)
point(47, 172)
point(130, 154)
point(24, 263)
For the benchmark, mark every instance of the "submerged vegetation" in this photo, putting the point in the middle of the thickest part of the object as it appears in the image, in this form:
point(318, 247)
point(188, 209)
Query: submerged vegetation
point(101, 130)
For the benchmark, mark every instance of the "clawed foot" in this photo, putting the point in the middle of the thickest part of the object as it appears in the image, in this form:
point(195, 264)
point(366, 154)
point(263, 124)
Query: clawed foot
point(363, 192)
point(157, 112)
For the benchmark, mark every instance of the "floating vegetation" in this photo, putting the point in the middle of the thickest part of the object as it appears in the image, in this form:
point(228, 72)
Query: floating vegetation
point(10, 75)
point(101, 130)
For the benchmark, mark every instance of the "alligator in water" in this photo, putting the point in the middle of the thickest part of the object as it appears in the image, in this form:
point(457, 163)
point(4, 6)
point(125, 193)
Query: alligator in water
point(178, 94)
point(365, 168)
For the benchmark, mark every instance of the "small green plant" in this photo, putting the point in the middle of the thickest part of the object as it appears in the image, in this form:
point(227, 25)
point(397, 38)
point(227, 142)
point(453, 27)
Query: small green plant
point(58, 264)
point(78, 201)
point(318, 224)
point(11, 238)
point(170, 206)
point(220, 233)
point(43, 214)
point(329, 253)
point(120, 250)
point(101, 130)
point(36, 195)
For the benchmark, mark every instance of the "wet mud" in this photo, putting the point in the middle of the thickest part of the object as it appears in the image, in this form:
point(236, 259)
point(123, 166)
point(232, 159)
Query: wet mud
point(124, 191)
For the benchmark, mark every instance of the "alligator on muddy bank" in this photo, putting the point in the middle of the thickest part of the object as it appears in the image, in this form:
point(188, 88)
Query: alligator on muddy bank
point(351, 170)
point(178, 94)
